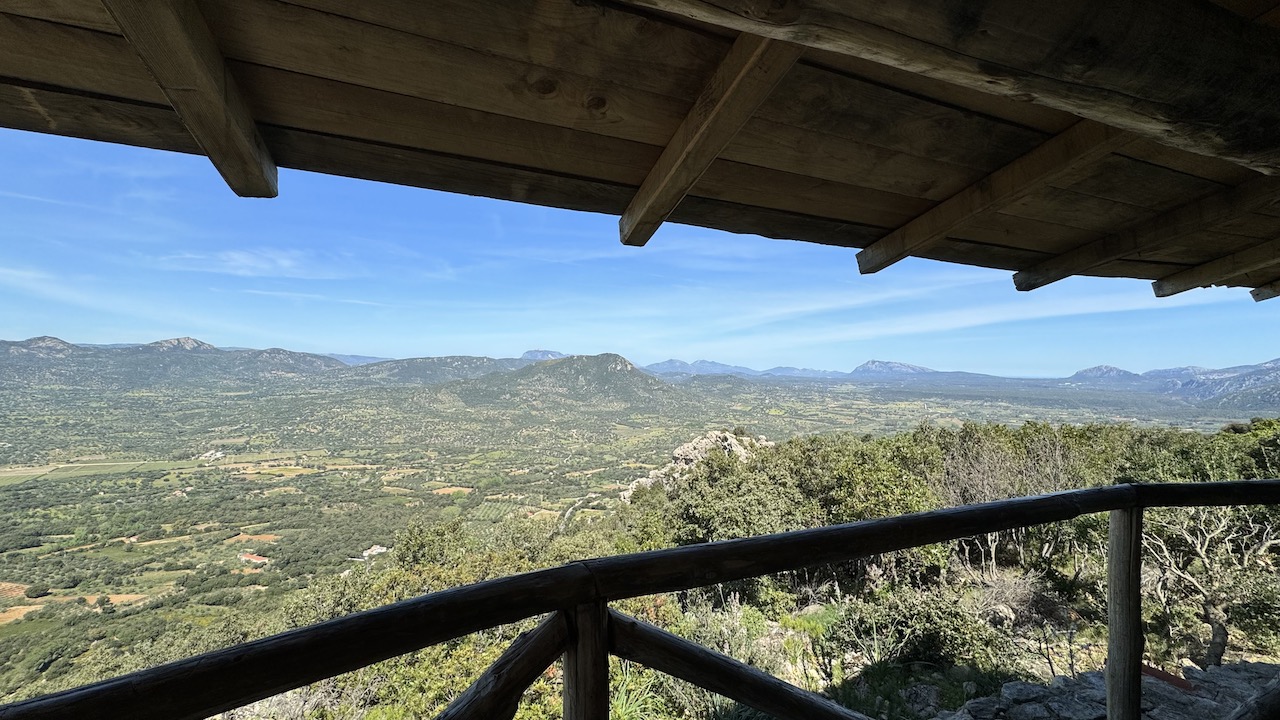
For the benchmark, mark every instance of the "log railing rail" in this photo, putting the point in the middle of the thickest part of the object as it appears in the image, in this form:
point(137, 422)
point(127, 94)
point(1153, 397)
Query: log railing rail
point(581, 626)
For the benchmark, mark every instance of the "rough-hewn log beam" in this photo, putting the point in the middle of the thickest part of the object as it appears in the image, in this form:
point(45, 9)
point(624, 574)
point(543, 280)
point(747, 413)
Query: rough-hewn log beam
point(750, 71)
point(1056, 160)
point(1183, 72)
point(1266, 292)
point(496, 693)
point(1198, 215)
point(643, 643)
point(180, 52)
point(1124, 615)
point(586, 663)
point(1215, 271)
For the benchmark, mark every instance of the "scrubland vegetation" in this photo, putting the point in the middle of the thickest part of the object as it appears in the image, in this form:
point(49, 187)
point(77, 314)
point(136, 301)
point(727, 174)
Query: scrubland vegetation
point(964, 616)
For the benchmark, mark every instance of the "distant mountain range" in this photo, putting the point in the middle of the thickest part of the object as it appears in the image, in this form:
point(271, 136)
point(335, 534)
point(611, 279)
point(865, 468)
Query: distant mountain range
point(48, 362)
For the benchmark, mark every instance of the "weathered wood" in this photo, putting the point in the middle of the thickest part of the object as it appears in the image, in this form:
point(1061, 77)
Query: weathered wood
point(586, 663)
point(214, 682)
point(496, 693)
point(1122, 179)
point(180, 52)
point(1080, 145)
point(1266, 292)
point(1224, 268)
point(1198, 215)
point(40, 110)
point(1152, 67)
point(640, 642)
point(1209, 494)
point(1124, 615)
point(753, 67)
point(81, 13)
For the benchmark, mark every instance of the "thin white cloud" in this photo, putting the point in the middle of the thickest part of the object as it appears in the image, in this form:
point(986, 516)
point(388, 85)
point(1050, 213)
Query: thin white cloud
point(1035, 308)
point(317, 297)
point(259, 262)
point(70, 291)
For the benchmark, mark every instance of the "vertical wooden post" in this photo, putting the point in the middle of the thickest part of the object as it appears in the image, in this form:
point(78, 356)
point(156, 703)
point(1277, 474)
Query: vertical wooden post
point(586, 664)
point(1124, 615)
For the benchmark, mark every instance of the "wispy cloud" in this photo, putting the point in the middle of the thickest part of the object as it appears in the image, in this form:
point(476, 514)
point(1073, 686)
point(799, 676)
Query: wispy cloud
point(261, 262)
point(317, 297)
point(72, 291)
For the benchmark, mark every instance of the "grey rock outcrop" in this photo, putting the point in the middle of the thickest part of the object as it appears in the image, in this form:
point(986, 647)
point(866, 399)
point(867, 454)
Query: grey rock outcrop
point(1214, 693)
point(689, 454)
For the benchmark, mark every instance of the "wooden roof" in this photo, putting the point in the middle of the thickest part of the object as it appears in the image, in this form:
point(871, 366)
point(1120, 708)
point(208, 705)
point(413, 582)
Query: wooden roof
point(1130, 138)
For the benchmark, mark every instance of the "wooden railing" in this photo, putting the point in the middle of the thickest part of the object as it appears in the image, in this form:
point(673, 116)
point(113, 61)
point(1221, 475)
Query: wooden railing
point(582, 628)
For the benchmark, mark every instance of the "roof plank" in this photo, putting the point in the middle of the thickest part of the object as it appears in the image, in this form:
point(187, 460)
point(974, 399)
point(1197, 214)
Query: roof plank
point(1214, 272)
point(179, 50)
point(753, 67)
point(1194, 216)
point(1183, 72)
point(1266, 292)
point(1078, 146)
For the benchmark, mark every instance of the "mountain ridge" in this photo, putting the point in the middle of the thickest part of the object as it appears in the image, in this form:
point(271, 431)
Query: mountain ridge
point(47, 361)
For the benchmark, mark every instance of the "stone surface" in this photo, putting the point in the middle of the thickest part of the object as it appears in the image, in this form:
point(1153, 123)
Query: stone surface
point(1216, 692)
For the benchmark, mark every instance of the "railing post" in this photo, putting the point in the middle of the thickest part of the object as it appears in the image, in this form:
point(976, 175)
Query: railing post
point(1124, 615)
point(586, 664)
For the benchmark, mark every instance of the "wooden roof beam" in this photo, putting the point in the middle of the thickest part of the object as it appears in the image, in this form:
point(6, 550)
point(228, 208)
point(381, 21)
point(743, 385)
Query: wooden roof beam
point(1194, 216)
point(181, 54)
point(1266, 292)
point(1224, 268)
point(1182, 72)
point(745, 77)
point(1060, 157)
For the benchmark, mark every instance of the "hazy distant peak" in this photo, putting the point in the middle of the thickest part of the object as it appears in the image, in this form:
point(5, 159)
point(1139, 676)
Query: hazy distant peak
point(542, 355)
point(182, 343)
point(1104, 371)
point(1186, 370)
point(43, 346)
point(608, 362)
point(885, 367)
point(48, 342)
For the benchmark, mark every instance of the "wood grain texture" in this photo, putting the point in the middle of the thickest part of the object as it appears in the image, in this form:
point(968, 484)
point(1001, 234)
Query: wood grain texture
point(496, 693)
point(1152, 67)
point(1266, 292)
point(181, 53)
point(1124, 615)
point(1080, 145)
point(1131, 242)
point(640, 642)
point(586, 663)
point(753, 67)
point(37, 109)
point(1215, 272)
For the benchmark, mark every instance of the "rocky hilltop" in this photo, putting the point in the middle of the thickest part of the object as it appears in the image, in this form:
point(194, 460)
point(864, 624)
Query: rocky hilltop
point(689, 454)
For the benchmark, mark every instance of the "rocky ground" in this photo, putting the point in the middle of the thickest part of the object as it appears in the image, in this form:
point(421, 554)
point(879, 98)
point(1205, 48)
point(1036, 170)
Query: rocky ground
point(1214, 694)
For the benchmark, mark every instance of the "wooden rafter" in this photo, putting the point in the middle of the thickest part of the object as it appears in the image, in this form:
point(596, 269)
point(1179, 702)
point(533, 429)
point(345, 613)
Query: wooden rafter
point(1194, 216)
point(1153, 67)
point(1224, 268)
point(750, 71)
point(1266, 292)
point(1056, 160)
point(180, 52)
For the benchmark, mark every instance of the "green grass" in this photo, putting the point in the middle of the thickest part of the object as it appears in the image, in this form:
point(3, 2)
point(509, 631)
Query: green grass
point(16, 478)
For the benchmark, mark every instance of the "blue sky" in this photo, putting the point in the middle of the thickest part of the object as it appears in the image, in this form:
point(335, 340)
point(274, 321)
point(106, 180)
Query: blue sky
point(102, 243)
